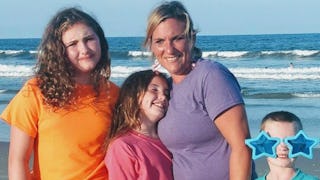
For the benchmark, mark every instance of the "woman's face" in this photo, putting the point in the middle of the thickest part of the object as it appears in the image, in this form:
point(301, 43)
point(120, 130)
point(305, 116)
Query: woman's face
point(280, 130)
point(82, 47)
point(171, 47)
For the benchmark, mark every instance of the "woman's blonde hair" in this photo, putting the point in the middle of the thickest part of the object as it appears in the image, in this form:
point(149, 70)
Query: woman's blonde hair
point(175, 10)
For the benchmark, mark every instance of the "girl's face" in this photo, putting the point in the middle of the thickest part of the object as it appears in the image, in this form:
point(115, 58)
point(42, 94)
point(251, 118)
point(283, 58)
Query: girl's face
point(82, 47)
point(280, 130)
point(154, 103)
point(171, 47)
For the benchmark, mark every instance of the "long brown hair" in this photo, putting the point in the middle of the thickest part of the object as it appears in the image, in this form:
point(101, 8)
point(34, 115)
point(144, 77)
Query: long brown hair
point(53, 70)
point(126, 113)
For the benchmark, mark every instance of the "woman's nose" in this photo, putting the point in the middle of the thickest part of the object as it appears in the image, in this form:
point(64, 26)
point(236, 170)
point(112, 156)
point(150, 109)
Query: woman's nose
point(169, 47)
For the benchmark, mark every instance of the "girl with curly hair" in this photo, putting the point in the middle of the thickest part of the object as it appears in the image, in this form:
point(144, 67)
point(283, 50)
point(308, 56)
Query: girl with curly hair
point(63, 113)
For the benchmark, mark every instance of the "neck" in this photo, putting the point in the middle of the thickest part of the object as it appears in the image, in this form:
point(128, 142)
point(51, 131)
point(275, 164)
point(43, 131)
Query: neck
point(148, 130)
point(83, 79)
point(281, 173)
point(177, 78)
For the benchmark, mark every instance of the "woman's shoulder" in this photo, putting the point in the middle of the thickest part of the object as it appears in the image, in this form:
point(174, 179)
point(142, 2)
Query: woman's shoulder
point(207, 64)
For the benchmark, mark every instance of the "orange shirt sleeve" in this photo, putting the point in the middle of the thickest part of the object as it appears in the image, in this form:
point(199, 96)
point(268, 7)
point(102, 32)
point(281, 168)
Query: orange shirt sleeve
point(23, 110)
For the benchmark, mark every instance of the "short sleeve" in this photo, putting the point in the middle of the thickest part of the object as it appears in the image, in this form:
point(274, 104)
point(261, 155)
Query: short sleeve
point(221, 90)
point(121, 161)
point(23, 110)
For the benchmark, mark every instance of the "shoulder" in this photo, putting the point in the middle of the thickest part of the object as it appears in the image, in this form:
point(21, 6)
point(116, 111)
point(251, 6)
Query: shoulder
point(261, 177)
point(206, 67)
point(30, 89)
point(124, 144)
point(301, 175)
point(127, 140)
point(113, 86)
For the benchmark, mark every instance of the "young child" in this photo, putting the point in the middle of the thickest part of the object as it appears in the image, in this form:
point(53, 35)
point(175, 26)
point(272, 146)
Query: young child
point(134, 150)
point(282, 124)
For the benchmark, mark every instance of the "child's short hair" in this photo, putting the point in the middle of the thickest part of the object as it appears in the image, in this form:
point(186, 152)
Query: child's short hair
point(282, 116)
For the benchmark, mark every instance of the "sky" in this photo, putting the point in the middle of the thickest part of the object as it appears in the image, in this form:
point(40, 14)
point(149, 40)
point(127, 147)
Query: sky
point(123, 18)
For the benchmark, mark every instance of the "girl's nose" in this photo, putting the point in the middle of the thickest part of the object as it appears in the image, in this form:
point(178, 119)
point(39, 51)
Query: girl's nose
point(83, 48)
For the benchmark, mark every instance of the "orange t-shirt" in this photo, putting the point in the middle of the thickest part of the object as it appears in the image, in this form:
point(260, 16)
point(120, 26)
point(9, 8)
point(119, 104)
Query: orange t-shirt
point(68, 142)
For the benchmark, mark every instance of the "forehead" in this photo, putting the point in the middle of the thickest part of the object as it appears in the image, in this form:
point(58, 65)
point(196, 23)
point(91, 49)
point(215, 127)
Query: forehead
point(280, 129)
point(78, 29)
point(157, 80)
point(170, 26)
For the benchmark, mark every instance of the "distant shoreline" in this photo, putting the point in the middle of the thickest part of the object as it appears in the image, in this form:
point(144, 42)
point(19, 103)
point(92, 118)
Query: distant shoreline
point(199, 35)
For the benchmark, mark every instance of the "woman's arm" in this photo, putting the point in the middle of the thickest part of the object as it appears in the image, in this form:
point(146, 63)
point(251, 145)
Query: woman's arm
point(233, 125)
point(21, 145)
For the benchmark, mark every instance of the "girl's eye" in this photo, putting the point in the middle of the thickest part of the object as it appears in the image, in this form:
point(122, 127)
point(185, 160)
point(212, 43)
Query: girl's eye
point(154, 90)
point(90, 39)
point(71, 44)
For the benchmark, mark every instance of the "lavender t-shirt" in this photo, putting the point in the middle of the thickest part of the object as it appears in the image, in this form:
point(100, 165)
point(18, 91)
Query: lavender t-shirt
point(199, 150)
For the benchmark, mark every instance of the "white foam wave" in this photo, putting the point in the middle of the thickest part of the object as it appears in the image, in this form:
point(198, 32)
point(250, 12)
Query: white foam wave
point(277, 73)
point(224, 54)
point(139, 53)
point(11, 52)
point(124, 71)
point(307, 95)
point(14, 52)
point(15, 70)
point(33, 52)
point(297, 52)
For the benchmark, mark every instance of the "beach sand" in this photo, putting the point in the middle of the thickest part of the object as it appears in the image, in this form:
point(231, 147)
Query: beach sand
point(310, 166)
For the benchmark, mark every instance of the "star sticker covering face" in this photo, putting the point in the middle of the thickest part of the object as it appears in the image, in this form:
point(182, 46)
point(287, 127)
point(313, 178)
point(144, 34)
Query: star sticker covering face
point(263, 145)
point(300, 144)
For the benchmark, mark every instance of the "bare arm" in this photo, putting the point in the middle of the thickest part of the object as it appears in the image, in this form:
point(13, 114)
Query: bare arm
point(21, 145)
point(233, 125)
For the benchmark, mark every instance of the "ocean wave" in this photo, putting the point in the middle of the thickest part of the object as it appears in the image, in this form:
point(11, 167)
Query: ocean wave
point(312, 73)
point(282, 95)
point(15, 70)
point(277, 73)
point(206, 54)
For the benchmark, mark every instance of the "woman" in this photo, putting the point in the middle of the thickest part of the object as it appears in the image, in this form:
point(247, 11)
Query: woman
point(63, 114)
point(206, 125)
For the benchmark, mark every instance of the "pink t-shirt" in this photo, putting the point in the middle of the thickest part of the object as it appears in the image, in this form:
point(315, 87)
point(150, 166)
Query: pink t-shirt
point(138, 157)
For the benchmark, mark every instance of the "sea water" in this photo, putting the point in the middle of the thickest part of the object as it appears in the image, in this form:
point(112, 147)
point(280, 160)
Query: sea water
point(261, 64)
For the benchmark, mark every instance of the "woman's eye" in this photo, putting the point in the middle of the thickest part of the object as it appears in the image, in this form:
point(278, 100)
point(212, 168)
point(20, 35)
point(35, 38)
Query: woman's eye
point(158, 42)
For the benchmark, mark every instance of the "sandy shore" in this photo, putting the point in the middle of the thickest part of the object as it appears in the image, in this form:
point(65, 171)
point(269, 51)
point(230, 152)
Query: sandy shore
point(308, 166)
point(3, 160)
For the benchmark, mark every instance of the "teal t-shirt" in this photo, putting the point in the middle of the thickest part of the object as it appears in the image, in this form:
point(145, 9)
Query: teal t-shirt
point(299, 176)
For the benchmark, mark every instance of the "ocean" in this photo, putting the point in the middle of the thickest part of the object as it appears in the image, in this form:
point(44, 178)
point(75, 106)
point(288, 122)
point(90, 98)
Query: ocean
point(261, 64)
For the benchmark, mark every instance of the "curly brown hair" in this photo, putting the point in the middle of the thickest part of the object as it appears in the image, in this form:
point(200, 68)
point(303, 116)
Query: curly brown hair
point(54, 72)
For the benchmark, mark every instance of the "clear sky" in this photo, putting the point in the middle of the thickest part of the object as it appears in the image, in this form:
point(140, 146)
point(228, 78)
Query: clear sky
point(27, 19)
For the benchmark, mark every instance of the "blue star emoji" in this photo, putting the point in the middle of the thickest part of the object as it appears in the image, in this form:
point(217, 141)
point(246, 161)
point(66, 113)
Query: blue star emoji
point(263, 145)
point(300, 144)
